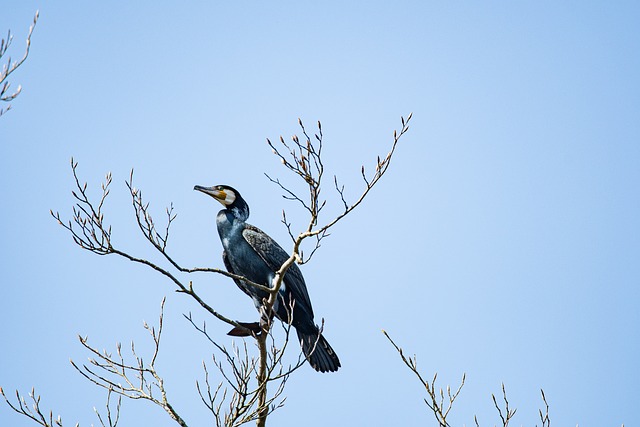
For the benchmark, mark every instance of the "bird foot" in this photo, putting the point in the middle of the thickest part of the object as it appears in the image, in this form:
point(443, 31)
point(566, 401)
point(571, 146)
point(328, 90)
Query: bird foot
point(246, 330)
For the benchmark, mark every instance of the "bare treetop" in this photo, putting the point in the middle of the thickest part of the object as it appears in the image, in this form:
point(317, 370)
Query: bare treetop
point(246, 382)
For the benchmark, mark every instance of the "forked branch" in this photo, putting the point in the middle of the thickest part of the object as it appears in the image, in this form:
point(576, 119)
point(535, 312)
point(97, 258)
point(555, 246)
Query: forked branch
point(137, 380)
point(239, 397)
point(440, 403)
point(303, 158)
point(6, 95)
point(89, 230)
point(32, 410)
point(436, 400)
point(508, 412)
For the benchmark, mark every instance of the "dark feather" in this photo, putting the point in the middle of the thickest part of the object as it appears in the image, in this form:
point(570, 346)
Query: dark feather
point(274, 256)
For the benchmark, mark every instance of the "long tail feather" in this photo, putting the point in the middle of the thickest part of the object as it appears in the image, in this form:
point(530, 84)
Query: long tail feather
point(318, 352)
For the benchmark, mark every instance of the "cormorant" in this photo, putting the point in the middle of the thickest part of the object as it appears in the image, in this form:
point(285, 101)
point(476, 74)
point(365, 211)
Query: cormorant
point(251, 253)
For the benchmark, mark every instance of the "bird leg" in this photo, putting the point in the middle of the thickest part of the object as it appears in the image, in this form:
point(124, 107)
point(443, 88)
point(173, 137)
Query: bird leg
point(266, 317)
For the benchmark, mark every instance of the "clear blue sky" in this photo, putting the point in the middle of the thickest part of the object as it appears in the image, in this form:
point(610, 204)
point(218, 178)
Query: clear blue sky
point(504, 241)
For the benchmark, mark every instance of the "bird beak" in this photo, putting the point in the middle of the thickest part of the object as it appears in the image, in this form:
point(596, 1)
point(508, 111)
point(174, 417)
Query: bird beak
point(219, 195)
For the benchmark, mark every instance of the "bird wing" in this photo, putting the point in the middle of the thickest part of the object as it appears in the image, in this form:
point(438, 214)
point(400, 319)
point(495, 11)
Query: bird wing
point(274, 256)
point(240, 284)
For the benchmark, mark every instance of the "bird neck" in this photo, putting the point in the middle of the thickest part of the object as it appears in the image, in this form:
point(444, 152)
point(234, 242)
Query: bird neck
point(232, 216)
point(239, 213)
point(229, 226)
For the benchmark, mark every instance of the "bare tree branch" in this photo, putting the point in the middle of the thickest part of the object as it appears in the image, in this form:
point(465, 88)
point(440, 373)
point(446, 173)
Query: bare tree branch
point(5, 94)
point(32, 410)
point(159, 242)
point(442, 406)
point(135, 381)
point(247, 402)
point(544, 416)
point(89, 231)
point(111, 420)
point(303, 158)
point(436, 400)
point(508, 413)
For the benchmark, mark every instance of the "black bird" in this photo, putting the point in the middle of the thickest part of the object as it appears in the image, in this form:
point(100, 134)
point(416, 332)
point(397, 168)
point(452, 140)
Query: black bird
point(251, 253)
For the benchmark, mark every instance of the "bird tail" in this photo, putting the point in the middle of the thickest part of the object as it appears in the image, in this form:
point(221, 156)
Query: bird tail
point(317, 350)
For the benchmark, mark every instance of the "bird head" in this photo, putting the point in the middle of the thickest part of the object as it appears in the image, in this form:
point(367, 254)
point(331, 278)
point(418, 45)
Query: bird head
point(228, 197)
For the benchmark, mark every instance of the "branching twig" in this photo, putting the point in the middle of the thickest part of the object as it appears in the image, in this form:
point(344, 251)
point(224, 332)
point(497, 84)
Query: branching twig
point(111, 420)
point(90, 232)
point(247, 402)
point(437, 406)
point(508, 413)
point(135, 381)
point(5, 94)
point(544, 416)
point(436, 400)
point(303, 158)
point(32, 410)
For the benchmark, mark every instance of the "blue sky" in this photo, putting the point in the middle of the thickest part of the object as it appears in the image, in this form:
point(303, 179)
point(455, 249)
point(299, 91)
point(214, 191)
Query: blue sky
point(504, 241)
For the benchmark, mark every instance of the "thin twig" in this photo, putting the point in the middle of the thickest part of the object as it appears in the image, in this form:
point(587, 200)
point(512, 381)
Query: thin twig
point(10, 67)
point(438, 406)
point(508, 413)
point(145, 381)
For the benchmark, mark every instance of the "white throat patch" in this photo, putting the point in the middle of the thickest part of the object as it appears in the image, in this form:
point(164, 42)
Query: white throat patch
point(230, 197)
